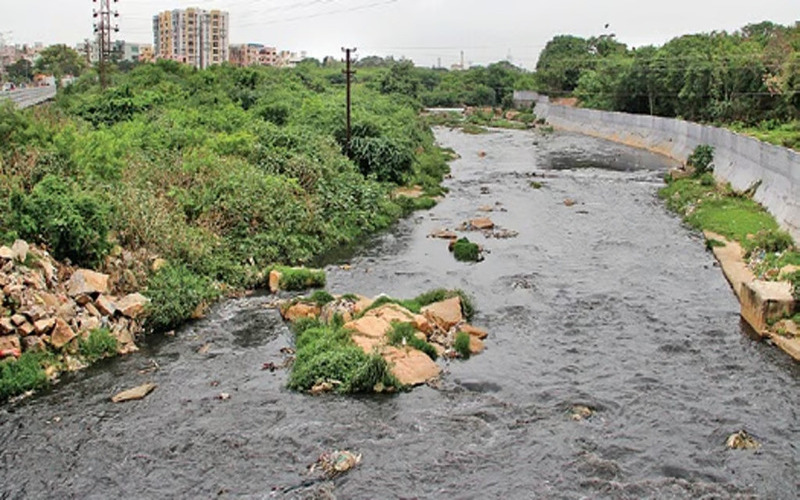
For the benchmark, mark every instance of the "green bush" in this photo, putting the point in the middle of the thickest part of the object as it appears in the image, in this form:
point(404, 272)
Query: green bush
point(175, 292)
point(72, 223)
point(321, 298)
point(100, 344)
point(466, 251)
point(701, 159)
point(794, 279)
point(771, 240)
point(461, 345)
point(21, 375)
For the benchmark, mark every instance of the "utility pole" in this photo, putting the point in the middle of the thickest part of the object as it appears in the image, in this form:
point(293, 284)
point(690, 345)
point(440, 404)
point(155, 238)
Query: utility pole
point(103, 29)
point(349, 72)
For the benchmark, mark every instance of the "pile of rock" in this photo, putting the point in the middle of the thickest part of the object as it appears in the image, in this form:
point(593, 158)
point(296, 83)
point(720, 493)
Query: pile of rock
point(438, 324)
point(45, 305)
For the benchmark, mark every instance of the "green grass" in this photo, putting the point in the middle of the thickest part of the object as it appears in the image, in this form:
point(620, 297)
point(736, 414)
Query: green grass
point(24, 374)
point(719, 210)
point(466, 251)
point(410, 205)
point(537, 185)
point(297, 279)
point(405, 334)
point(472, 129)
point(321, 298)
point(784, 134)
point(461, 345)
point(100, 344)
point(328, 354)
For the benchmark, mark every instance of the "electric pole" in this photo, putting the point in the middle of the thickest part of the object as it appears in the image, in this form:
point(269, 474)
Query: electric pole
point(349, 72)
point(103, 29)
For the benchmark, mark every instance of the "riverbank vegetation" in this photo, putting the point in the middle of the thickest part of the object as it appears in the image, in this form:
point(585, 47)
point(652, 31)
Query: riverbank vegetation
point(748, 80)
point(222, 173)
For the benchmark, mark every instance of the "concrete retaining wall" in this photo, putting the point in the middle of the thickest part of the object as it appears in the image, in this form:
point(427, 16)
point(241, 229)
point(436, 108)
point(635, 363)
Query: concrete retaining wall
point(26, 98)
point(740, 160)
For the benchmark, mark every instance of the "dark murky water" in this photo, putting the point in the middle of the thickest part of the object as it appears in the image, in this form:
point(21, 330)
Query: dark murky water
point(610, 303)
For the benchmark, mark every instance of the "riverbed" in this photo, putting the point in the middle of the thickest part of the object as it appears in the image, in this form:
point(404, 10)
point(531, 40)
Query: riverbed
point(610, 303)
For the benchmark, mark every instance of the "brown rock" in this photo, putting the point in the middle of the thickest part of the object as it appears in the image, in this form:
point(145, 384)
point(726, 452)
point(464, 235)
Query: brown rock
point(125, 341)
point(134, 394)
point(410, 366)
point(301, 310)
point(766, 301)
point(362, 305)
point(26, 329)
point(20, 249)
point(44, 325)
point(422, 324)
point(35, 313)
point(10, 343)
point(132, 305)
point(48, 269)
point(18, 319)
point(85, 282)
point(6, 253)
point(445, 314)
point(92, 310)
point(486, 208)
point(105, 305)
point(443, 234)
point(82, 300)
point(33, 343)
point(391, 313)
point(275, 281)
point(569, 202)
point(62, 334)
point(476, 345)
point(87, 324)
point(48, 300)
point(67, 311)
point(481, 223)
point(474, 331)
point(788, 270)
point(369, 326)
point(6, 325)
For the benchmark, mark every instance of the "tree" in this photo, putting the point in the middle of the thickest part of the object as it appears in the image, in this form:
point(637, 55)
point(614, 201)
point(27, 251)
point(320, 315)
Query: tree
point(20, 72)
point(562, 61)
point(401, 79)
point(59, 61)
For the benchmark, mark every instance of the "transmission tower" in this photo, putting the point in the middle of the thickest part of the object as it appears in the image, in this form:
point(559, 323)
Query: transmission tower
point(103, 29)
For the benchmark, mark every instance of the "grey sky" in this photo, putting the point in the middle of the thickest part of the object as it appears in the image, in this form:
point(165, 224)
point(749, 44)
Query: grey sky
point(423, 30)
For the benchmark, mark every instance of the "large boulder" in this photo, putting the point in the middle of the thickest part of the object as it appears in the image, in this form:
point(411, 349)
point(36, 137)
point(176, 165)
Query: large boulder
point(10, 343)
point(105, 305)
point(275, 281)
point(132, 305)
point(410, 366)
point(445, 314)
point(85, 282)
point(20, 249)
point(474, 331)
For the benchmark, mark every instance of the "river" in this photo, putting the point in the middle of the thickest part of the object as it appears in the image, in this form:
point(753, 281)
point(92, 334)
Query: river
point(611, 303)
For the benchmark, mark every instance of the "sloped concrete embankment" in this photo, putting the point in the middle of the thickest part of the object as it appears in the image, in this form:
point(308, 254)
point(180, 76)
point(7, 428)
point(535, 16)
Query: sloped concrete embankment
point(740, 160)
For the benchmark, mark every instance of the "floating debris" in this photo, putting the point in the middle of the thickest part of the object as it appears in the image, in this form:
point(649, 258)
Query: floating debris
point(336, 463)
point(569, 202)
point(224, 396)
point(742, 441)
point(581, 412)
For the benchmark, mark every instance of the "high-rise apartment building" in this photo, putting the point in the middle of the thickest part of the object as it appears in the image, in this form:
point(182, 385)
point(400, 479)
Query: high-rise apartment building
point(192, 36)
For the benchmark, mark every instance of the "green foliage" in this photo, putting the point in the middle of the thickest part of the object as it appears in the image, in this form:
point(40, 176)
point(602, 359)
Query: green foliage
point(175, 292)
point(73, 223)
point(60, 61)
point(537, 185)
point(461, 345)
point(403, 334)
point(321, 298)
point(23, 374)
point(701, 159)
point(327, 354)
point(771, 241)
point(794, 279)
point(100, 344)
point(466, 251)
point(298, 279)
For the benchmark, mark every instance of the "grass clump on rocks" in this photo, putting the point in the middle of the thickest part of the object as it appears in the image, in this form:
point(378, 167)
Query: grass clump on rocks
point(175, 293)
point(98, 345)
point(416, 304)
point(466, 251)
point(461, 345)
point(405, 334)
point(297, 279)
point(24, 374)
point(327, 354)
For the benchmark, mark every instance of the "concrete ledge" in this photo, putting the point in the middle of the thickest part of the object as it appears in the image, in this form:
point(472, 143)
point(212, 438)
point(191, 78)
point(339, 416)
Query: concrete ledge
point(764, 302)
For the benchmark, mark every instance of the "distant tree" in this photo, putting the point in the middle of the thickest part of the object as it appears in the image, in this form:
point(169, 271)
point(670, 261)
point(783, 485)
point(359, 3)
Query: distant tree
point(562, 61)
point(20, 72)
point(59, 61)
point(401, 79)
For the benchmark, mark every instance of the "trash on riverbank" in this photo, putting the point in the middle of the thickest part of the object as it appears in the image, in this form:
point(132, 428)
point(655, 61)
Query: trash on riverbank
point(742, 441)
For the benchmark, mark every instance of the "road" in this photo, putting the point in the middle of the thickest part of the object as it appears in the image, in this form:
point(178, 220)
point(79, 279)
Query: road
point(25, 98)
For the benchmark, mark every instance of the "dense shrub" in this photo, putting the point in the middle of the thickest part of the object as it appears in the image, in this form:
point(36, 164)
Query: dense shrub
point(175, 292)
point(23, 374)
point(701, 159)
point(98, 345)
point(466, 251)
point(461, 345)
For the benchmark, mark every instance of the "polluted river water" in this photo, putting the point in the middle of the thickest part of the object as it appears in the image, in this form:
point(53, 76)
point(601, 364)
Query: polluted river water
point(610, 304)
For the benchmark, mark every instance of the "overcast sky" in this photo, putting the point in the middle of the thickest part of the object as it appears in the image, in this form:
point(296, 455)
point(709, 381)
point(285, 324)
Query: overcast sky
point(422, 30)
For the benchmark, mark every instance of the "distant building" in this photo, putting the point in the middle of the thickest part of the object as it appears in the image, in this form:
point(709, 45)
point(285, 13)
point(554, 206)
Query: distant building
point(253, 54)
point(287, 59)
point(192, 36)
